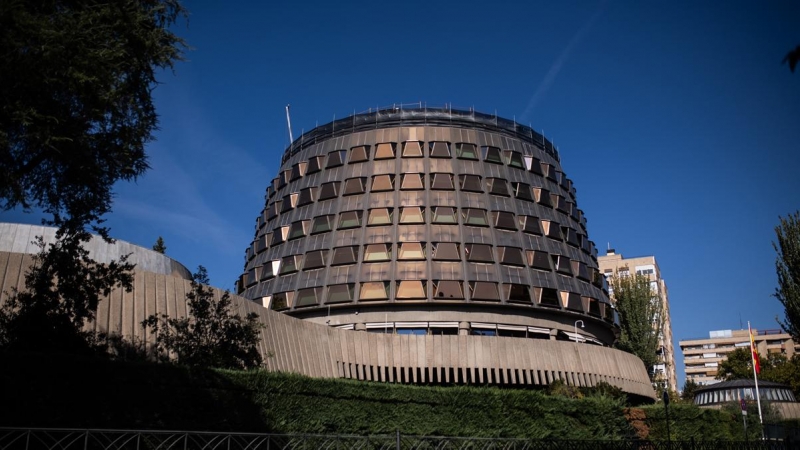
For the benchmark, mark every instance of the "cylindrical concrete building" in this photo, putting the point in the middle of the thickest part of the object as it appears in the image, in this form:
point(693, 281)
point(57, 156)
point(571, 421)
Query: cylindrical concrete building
point(428, 221)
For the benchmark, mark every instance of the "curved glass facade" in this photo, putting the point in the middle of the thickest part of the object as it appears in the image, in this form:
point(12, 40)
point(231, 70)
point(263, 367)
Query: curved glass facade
point(735, 394)
point(425, 211)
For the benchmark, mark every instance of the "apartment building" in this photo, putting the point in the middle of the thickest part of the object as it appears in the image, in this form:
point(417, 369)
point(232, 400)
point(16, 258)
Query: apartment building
point(614, 263)
point(702, 356)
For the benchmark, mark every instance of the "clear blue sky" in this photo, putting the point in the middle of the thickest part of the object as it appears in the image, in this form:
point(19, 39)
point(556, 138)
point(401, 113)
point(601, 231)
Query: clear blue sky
point(676, 120)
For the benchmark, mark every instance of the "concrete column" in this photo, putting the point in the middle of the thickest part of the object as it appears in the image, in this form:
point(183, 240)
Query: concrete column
point(360, 327)
point(553, 334)
point(463, 328)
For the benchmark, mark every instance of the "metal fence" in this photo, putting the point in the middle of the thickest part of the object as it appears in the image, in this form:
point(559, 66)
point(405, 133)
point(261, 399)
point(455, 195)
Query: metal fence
point(72, 439)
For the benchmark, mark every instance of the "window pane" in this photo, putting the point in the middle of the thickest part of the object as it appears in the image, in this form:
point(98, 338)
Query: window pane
point(315, 259)
point(411, 251)
point(514, 159)
point(536, 166)
point(382, 183)
point(444, 214)
point(411, 289)
point(314, 165)
point(308, 297)
point(517, 293)
point(475, 217)
point(470, 183)
point(412, 181)
point(574, 302)
point(344, 255)
point(549, 297)
point(439, 150)
point(504, 220)
point(380, 216)
point(446, 251)
point(339, 293)
point(298, 229)
point(522, 191)
point(447, 290)
point(442, 181)
point(359, 154)
point(329, 190)
point(539, 260)
point(466, 151)
point(376, 290)
point(288, 202)
point(306, 196)
point(335, 158)
point(354, 186)
point(497, 186)
point(281, 301)
point(298, 170)
point(385, 150)
point(350, 219)
point(478, 252)
point(412, 214)
point(492, 155)
point(412, 149)
point(485, 291)
point(511, 256)
point(321, 224)
point(562, 264)
point(542, 197)
point(290, 264)
point(377, 252)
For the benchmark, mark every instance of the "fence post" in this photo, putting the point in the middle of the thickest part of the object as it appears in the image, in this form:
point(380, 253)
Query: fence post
point(185, 441)
point(138, 438)
point(397, 440)
point(691, 441)
point(27, 439)
point(86, 440)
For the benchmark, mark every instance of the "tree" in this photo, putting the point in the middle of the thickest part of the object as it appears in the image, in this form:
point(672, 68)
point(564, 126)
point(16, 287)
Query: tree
point(775, 367)
point(159, 246)
point(212, 335)
point(76, 79)
point(689, 388)
point(792, 58)
point(787, 265)
point(63, 288)
point(640, 315)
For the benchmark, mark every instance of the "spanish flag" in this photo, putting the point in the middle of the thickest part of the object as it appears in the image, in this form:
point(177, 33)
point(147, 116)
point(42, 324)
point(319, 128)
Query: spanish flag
point(753, 351)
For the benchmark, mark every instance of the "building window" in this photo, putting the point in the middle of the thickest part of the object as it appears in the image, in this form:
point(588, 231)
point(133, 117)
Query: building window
point(308, 297)
point(511, 256)
point(315, 259)
point(359, 154)
point(497, 186)
point(340, 293)
point(504, 220)
point(374, 290)
point(412, 149)
point(380, 216)
point(377, 252)
point(439, 149)
point(481, 253)
point(444, 214)
point(412, 181)
point(329, 190)
point(522, 191)
point(385, 150)
point(314, 164)
point(273, 209)
point(517, 293)
point(336, 158)
point(574, 302)
point(291, 264)
point(552, 230)
point(382, 183)
point(411, 251)
point(284, 178)
point(542, 197)
point(539, 260)
point(279, 235)
point(412, 215)
point(448, 290)
point(281, 301)
point(298, 229)
point(446, 251)
point(513, 159)
point(442, 181)
point(466, 151)
point(298, 170)
point(562, 264)
point(321, 224)
point(492, 155)
point(483, 291)
point(411, 290)
point(289, 202)
point(350, 219)
point(474, 217)
point(345, 255)
point(548, 297)
point(307, 196)
point(530, 225)
point(354, 186)
point(470, 183)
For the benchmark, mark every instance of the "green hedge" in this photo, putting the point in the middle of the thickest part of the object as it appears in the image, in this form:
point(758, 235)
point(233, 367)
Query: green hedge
point(61, 391)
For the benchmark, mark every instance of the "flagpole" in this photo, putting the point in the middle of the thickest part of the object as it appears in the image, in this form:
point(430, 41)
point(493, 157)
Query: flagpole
point(755, 375)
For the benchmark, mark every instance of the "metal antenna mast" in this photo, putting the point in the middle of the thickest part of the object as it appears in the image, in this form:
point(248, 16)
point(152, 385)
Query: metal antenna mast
point(289, 124)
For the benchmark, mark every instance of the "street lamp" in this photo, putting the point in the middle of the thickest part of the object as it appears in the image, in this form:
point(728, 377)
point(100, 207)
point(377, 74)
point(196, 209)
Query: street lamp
point(576, 329)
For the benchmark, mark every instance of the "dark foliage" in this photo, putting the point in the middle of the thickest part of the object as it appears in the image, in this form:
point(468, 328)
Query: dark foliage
point(76, 112)
point(787, 265)
point(63, 287)
point(792, 58)
point(159, 246)
point(640, 317)
point(213, 335)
